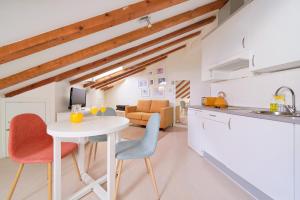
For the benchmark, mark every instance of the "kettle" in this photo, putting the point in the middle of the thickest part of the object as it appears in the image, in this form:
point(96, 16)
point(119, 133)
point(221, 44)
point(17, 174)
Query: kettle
point(220, 101)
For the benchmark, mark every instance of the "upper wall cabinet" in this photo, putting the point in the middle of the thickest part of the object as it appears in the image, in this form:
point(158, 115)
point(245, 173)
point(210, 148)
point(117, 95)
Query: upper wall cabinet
point(225, 49)
point(273, 34)
point(266, 34)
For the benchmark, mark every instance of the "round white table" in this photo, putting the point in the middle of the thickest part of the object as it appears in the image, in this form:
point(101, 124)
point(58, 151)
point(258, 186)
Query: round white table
point(65, 131)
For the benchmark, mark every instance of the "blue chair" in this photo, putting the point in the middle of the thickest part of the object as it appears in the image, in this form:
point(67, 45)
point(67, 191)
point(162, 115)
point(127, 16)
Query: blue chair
point(99, 138)
point(139, 149)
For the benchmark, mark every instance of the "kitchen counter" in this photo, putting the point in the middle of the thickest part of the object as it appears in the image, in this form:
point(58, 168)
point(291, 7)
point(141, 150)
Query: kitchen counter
point(248, 112)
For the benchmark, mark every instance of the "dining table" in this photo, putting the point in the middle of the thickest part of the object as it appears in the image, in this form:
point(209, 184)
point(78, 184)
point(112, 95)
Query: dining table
point(66, 131)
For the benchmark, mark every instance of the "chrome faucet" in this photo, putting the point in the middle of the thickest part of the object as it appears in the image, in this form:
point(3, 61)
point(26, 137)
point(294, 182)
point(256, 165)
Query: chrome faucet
point(290, 108)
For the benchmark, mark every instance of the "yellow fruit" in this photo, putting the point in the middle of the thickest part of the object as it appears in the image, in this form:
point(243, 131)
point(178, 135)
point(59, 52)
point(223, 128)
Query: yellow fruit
point(94, 110)
point(103, 109)
point(76, 117)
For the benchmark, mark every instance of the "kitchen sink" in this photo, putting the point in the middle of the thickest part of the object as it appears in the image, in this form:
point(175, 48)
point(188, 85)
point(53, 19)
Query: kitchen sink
point(285, 114)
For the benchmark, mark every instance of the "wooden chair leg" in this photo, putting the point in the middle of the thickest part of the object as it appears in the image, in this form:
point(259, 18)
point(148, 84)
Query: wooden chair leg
point(152, 175)
point(90, 155)
point(146, 166)
point(14, 184)
point(49, 181)
point(117, 167)
point(76, 165)
point(119, 171)
point(95, 152)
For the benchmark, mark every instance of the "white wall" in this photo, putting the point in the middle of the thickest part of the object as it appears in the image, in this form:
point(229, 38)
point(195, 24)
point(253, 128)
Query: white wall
point(181, 65)
point(93, 97)
point(62, 95)
point(44, 94)
point(257, 91)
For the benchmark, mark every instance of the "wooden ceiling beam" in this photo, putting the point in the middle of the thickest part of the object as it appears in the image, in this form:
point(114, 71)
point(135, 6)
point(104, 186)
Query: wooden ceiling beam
point(180, 89)
point(187, 94)
point(80, 29)
point(134, 58)
point(179, 95)
point(129, 51)
point(107, 87)
point(108, 45)
point(112, 85)
point(145, 63)
point(122, 77)
point(128, 70)
point(30, 87)
point(124, 53)
point(179, 84)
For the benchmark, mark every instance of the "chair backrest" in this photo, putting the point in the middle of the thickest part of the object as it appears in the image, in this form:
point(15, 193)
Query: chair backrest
point(108, 112)
point(151, 135)
point(25, 128)
point(182, 104)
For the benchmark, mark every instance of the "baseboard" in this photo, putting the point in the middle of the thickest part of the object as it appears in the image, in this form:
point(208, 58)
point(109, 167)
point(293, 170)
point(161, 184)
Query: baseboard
point(245, 185)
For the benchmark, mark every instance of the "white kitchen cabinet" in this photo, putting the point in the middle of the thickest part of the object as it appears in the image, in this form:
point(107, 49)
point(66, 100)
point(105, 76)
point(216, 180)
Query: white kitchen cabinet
point(297, 162)
point(262, 153)
point(216, 127)
point(227, 41)
point(259, 151)
point(274, 38)
point(271, 40)
point(195, 130)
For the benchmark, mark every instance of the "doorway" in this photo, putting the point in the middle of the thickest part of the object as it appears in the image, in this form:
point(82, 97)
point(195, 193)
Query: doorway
point(182, 101)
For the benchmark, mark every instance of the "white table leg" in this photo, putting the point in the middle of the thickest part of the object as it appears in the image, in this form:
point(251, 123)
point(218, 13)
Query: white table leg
point(111, 165)
point(56, 169)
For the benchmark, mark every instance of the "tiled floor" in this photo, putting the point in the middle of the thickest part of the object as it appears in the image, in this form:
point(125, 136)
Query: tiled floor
point(181, 174)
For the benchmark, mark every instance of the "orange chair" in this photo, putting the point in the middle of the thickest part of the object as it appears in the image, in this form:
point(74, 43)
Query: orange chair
point(30, 143)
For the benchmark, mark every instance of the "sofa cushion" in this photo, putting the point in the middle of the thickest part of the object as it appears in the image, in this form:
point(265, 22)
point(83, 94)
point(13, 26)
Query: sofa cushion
point(143, 106)
point(146, 116)
point(134, 115)
point(156, 105)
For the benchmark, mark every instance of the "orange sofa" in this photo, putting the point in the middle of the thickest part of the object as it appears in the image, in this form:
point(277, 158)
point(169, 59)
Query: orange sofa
point(141, 113)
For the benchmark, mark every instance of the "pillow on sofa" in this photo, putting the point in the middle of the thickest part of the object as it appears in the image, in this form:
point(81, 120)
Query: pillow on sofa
point(143, 106)
point(156, 105)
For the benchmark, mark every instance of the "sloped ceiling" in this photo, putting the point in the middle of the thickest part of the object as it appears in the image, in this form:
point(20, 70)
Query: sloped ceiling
point(23, 19)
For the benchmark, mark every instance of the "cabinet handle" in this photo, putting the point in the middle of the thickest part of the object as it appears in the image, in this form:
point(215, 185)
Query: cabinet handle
point(243, 43)
point(212, 115)
point(203, 127)
point(229, 124)
point(253, 59)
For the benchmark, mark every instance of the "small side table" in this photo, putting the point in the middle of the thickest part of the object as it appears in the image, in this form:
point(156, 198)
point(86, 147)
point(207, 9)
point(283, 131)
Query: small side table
point(120, 113)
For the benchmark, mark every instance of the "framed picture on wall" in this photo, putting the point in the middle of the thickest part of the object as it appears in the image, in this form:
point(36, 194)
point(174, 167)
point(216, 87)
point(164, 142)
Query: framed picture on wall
point(142, 83)
point(169, 89)
point(160, 70)
point(145, 92)
point(161, 81)
point(158, 91)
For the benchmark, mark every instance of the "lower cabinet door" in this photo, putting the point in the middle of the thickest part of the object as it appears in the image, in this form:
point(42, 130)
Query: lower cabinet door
point(216, 140)
point(297, 162)
point(264, 155)
point(195, 131)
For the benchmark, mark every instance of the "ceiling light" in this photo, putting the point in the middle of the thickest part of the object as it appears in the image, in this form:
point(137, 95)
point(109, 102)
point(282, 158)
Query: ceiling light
point(146, 19)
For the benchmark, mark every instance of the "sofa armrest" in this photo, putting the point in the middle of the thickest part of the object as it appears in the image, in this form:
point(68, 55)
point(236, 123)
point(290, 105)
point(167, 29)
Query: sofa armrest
point(166, 116)
point(129, 109)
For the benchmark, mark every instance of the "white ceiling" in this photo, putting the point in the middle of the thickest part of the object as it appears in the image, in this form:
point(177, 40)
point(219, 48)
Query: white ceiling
point(23, 19)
